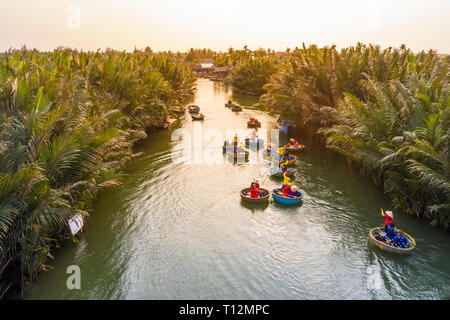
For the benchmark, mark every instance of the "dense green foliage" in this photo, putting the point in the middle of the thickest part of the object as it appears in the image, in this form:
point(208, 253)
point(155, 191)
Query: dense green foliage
point(68, 123)
point(250, 75)
point(388, 110)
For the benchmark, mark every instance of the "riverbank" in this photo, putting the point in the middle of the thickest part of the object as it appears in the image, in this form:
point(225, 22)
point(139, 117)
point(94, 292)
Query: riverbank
point(387, 111)
point(71, 121)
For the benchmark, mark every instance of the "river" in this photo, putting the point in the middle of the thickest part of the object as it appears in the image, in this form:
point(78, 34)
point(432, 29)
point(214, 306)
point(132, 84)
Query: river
point(180, 231)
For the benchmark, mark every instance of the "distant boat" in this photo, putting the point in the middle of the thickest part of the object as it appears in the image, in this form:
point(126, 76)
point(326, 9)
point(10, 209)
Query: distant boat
point(253, 124)
point(297, 148)
point(193, 108)
point(278, 196)
point(377, 238)
point(277, 172)
point(236, 108)
point(245, 195)
point(291, 160)
point(198, 116)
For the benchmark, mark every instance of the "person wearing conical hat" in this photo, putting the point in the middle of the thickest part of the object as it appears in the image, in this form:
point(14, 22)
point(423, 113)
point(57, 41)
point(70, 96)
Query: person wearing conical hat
point(388, 218)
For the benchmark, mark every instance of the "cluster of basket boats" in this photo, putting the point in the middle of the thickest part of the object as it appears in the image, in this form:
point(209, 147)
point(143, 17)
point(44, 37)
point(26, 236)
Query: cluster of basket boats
point(236, 152)
point(194, 110)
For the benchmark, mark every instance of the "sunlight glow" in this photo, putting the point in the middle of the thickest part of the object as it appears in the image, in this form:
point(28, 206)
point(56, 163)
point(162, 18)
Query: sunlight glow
point(178, 24)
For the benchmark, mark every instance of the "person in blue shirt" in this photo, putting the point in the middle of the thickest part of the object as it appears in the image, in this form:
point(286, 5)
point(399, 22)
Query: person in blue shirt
point(390, 232)
point(395, 239)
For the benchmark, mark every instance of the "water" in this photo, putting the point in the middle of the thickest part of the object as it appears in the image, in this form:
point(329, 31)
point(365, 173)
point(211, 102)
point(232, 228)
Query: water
point(180, 231)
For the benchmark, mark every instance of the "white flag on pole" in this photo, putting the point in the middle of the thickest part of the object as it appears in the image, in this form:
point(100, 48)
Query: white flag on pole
point(75, 224)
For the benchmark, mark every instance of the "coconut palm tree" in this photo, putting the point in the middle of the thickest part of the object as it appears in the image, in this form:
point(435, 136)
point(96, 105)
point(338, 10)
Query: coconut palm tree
point(68, 124)
point(399, 135)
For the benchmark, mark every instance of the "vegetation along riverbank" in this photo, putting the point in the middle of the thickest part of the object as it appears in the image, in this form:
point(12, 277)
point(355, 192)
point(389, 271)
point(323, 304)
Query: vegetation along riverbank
point(69, 121)
point(388, 110)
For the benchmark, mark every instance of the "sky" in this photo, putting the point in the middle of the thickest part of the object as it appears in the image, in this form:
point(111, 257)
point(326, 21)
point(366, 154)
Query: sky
point(178, 25)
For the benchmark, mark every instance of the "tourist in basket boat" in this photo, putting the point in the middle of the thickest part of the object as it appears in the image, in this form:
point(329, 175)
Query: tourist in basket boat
point(270, 150)
point(287, 190)
point(254, 190)
point(393, 238)
point(294, 191)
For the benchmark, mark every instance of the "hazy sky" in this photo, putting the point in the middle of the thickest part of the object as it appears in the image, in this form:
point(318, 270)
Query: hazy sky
point(181, 24)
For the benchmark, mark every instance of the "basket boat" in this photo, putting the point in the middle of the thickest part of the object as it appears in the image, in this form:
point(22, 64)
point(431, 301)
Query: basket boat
point(245, 195)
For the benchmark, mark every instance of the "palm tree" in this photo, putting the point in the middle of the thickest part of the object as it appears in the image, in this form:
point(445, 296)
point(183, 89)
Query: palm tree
point(400, 136)
point(69, 121)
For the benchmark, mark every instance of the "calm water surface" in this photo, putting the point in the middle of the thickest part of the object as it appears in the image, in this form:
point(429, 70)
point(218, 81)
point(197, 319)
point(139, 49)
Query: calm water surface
point(180, 231)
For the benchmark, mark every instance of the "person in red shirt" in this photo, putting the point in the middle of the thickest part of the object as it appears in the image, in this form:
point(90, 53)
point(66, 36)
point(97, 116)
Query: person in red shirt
point(254, 191)
point(388, 218)
point(293, 143)
point(287, 190)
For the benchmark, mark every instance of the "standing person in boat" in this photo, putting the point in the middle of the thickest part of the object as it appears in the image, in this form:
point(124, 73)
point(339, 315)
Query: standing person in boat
point(388, 218)
point(235, 142)
point(286, 179)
